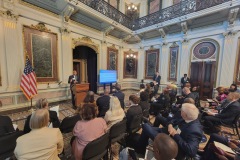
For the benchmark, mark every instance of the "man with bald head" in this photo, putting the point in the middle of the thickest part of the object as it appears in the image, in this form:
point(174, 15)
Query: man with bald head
point(103, 103)
point(187, 133)
point(165, 148)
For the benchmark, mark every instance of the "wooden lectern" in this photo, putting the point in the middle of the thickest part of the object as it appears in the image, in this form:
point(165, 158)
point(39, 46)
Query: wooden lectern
point(80, 91)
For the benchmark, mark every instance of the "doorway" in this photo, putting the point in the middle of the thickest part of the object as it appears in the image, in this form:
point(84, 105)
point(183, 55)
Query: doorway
point(85, 59)
point(203, 74)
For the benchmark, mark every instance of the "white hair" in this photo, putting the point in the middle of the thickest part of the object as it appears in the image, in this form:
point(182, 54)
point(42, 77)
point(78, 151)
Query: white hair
point(191, 111)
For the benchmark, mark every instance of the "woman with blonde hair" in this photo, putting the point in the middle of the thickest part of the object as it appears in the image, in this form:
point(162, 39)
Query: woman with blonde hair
point(42, 103)
point(42, 142)
point(115, 113)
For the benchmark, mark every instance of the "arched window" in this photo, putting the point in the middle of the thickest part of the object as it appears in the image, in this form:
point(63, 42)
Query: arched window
point(154, 6)
point(114, 3)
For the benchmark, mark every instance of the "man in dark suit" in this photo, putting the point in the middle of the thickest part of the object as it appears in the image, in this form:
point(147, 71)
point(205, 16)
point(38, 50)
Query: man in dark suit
point(103, 103)
point(225, 116)
point(120, 95)
point(6, 125)
point(187, 134)
point(184, 80)
point(73, 79)
point(156, 82)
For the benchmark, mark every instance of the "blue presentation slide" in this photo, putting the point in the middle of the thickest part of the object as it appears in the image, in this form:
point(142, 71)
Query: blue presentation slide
point(108, 76)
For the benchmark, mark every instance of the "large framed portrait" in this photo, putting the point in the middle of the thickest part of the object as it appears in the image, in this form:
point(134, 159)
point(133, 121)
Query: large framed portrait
point(130, 64)
point(41, 47)
point(151, 63)
point(112, 58)
point(173, 65)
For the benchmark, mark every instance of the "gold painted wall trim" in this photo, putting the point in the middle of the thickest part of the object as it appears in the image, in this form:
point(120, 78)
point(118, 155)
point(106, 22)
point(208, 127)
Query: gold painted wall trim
point(9, 14)
point(85, 41)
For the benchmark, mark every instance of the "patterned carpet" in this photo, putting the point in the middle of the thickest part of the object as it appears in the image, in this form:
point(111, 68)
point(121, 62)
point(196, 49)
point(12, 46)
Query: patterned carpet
point(65, 110)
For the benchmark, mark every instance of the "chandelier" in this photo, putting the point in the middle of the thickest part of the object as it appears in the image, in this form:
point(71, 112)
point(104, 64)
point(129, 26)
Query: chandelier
point(132, 10)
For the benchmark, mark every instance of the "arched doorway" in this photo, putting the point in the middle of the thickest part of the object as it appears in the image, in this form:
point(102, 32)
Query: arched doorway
point(204, 66)
point(85, 62)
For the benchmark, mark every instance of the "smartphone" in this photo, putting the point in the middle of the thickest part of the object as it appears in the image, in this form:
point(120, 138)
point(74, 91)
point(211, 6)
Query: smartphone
point(132, 154)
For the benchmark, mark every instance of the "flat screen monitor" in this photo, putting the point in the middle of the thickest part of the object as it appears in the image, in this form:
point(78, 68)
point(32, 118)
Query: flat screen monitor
point(108, 76)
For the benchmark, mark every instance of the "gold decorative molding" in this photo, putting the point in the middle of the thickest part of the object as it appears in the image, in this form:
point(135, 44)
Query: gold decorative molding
point(113, 47)
point(8, 14)
point(41, 27)
point(174, 45)
point(85, 41)
point(152, 48)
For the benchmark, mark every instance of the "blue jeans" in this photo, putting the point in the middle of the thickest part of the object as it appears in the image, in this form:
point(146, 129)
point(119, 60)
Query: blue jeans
point(148, 132)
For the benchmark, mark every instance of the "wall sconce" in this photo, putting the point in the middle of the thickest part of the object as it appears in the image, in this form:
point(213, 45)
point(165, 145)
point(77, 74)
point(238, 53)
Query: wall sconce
point(131, 56)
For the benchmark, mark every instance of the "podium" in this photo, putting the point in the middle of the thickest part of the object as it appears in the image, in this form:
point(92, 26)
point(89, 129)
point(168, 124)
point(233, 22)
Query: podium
point(80, 91)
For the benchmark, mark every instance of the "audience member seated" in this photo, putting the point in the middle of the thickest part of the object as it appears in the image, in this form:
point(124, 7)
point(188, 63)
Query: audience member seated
point(89, 99)
point(162, 103)
point(103, 103)
point(149, 91)
point(120, 95)
point(115, 113)
point(221, 95)
point(186, 94)
point(187, 134)
point(210, 150)
point(53, 119)
point(87, 130)
point(172, 93)
point(142, 88)
point(233, 88)
point(225, 116)
point(42, 142)
point(175, 119)
point(164, 147)
point(6, 125)
point(144, 101)
point(134, 109)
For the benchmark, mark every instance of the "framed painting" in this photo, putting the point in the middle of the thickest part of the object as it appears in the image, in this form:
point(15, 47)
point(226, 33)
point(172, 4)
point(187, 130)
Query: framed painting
point(41, 47)
point(112, 58)
point(130, 64)
point(151, 62)
point(173, 65)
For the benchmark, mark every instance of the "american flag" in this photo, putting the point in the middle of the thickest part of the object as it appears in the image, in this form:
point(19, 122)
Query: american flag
point(28, 82)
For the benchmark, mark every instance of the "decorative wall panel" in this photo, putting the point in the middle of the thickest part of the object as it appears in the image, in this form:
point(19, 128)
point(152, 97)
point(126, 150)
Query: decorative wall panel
point(173, 65)
point(151, 62)
point(112, 58)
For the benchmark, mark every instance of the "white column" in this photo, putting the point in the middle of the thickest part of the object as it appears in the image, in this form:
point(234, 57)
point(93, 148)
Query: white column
point(67, 56)
point(164, 64)
point(14, 57)
point(227, 61)
point(166, 3)
point(141, 65)
point(143, 8)
point(103, 62)
point(184, 60)
point(120, 63)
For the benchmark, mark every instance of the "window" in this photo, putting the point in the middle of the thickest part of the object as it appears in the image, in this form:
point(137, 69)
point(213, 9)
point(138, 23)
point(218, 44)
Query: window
point(114, 3)
point(154, 6)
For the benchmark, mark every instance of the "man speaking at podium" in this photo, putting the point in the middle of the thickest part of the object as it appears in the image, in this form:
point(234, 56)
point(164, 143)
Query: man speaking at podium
point(73, 79)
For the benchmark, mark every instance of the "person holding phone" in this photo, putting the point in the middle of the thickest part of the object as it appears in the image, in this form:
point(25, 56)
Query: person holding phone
point(73, 79)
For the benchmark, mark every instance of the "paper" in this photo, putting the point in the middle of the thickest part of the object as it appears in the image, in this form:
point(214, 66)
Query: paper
point(210, 100)
point(56, 109)
point(15, 126)
point(224, 147)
